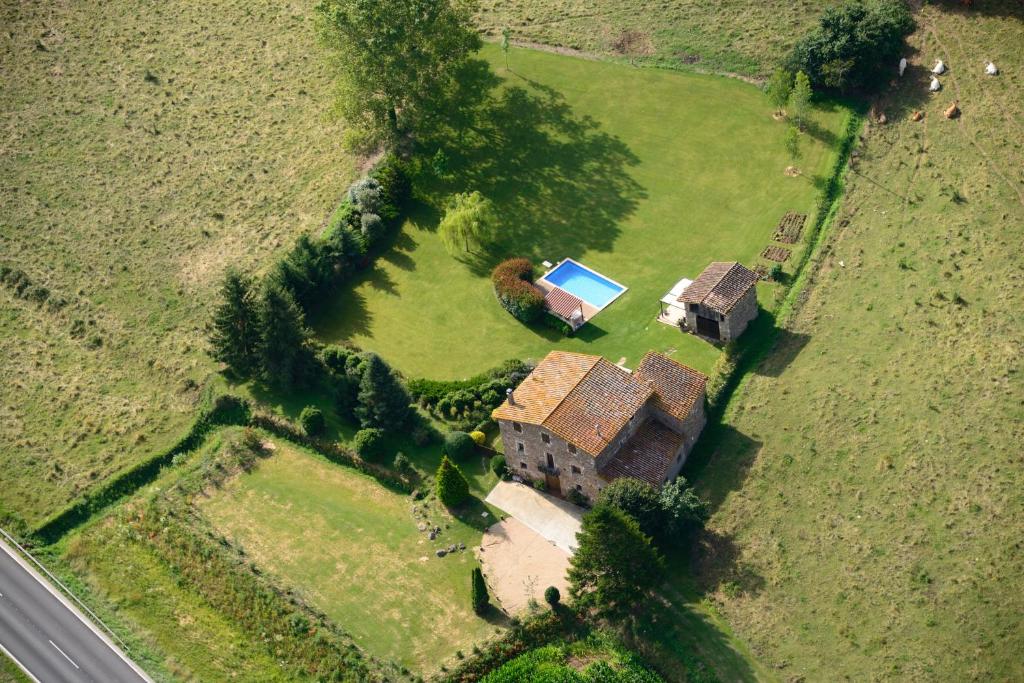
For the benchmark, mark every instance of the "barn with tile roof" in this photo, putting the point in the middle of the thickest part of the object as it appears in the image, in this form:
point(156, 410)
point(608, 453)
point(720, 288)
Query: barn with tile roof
point(578, 421)
point(722, 301)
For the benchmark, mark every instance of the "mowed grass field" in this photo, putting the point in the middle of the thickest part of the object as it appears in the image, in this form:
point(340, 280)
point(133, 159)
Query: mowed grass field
point(868, 484)
point(728, 36)
point(146, 148)
point(353, 550)
point(644, 175)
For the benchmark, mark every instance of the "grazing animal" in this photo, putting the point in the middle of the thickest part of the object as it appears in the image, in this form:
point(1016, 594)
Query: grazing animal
point(953, 111)
point(917, 116)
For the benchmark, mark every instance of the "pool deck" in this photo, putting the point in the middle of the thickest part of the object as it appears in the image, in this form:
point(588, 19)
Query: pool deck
point(588, 310)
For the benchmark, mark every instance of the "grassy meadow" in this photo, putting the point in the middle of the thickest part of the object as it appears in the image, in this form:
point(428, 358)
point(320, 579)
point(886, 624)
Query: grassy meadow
point(647, 186)
point(353, 550)
point(148, 147)
point(729, 36)
point(867, 484)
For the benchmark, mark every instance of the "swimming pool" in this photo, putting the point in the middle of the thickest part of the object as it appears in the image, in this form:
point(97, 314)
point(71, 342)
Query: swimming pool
point(582, 282)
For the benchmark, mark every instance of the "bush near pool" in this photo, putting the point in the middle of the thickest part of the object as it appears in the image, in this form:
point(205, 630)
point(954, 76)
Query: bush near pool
point(513, 285)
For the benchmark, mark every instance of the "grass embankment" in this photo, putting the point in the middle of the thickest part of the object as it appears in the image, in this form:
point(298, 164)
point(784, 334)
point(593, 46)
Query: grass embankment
point(354, 550)
point(647, 186)
point(739, 37)
point(10, 672)
point(149, 150)
point(868, 482)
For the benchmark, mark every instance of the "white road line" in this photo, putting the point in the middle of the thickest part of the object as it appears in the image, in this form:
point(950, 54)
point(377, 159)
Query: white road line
point(65, 654)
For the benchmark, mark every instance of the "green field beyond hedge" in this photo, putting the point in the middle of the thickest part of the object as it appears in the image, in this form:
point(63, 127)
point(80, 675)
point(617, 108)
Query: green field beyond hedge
point(641, 174)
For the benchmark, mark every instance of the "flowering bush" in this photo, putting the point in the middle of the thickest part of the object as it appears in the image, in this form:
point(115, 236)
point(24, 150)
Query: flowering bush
point(513, 285)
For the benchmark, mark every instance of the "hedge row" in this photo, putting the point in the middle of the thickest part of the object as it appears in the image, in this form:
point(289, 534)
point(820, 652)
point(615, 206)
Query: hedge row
point(334, 452)
point(226, 410)
point(513, 285)
point(469, 402)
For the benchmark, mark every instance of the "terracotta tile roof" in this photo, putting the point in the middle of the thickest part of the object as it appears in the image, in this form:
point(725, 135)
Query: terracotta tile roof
point(546, 387)
point(720, 286)
point(647, 456)
point(676, 387)
point(597, 408)
point(561, 302)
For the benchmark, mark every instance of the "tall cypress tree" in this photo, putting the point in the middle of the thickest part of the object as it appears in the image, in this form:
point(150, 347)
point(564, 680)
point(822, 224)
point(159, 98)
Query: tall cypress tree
point(480, 597)
point(382, 400)
point(451, 485)
point(281, 350)
point(235, 332)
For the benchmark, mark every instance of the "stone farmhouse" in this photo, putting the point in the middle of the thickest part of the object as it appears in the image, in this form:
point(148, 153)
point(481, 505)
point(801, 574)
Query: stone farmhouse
point(722, 301)
point(578, 422)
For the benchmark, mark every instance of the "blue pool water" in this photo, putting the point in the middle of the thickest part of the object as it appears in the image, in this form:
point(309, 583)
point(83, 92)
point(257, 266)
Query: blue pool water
point(585, 284)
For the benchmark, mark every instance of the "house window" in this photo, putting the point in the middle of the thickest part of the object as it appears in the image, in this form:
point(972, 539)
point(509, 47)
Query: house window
point(518, 427)
point(523, 465)
point(693, 307)
point(576, 470)
point(551, 460)
point(579, 487)
point(520, 446)
point(571, 447)
point(546, 438)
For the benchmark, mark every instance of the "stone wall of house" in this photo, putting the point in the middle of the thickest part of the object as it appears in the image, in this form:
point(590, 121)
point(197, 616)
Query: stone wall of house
point(575, 470)
point(740, 316)
point(690, 428)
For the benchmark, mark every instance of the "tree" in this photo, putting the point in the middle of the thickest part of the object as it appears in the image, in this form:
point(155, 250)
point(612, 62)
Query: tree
point(468, 222)
point(481, 599)
point(281, 350)
point(396, 60)
point(800, 99)
point(235, 330)
point(552, 596)
point(615, 566)
point(636, 498)
point(683, 511)
point(458, 445)
point(778, 88)
point(382, 401)
point(505, 44)
point(312, 420)
point(369, 443)
point(451, 485)
point(792, 141)
point(855, 44)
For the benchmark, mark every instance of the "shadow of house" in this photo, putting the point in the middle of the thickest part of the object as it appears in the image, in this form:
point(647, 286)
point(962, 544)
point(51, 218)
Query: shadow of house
point(787, 347)
point(559, 183)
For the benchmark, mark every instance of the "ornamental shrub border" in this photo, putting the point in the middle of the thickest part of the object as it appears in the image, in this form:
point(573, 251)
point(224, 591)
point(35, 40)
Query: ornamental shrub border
point(513, 285)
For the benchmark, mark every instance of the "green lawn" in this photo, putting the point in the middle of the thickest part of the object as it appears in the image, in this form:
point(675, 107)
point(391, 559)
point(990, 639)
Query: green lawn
point(868, 486)
point(352, 548)
point(644, 175)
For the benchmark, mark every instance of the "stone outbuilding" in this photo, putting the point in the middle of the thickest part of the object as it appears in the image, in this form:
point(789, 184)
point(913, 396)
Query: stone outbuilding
point(578, 422)
point(722, 301)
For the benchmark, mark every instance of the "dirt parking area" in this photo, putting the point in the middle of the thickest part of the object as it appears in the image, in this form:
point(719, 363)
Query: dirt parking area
point(519, 564)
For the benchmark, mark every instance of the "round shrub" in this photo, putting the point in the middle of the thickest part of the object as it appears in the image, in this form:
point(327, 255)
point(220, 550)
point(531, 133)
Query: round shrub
point(478, 437)
point(369, 443)
point(552, 596)
point(499, 467)
point(312, 420)
point(402, 463)
point(458, 445)
point(513, 285)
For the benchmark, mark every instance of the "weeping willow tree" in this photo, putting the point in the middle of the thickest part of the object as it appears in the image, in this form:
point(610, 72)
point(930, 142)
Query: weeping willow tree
point(469, 221)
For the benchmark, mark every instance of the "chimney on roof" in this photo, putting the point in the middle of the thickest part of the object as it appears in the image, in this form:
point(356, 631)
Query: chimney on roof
point(597, 428)
point(511, 396)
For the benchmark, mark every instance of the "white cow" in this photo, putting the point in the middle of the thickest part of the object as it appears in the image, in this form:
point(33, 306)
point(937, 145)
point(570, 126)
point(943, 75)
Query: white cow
point(903, 65)
point(939, 68)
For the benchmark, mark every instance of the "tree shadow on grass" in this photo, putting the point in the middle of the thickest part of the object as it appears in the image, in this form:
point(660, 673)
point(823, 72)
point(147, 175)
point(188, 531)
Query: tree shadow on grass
point(559, 183)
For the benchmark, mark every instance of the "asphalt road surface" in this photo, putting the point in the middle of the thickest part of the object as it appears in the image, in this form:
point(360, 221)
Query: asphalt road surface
point(49, 637)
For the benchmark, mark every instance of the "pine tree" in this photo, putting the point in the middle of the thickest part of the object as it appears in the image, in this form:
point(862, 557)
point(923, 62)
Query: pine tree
point(382, 400)
point(481, 599)
point(800, 99)
point(615, 565)
point(281, 350)
point(451, 486)
point(234, 334)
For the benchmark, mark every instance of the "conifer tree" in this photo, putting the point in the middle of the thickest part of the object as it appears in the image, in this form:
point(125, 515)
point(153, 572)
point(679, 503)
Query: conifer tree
point(235, 331)
point(382, 401)
point(615, 566)
point(451, 486)
point(481, 599)
point(281, 350)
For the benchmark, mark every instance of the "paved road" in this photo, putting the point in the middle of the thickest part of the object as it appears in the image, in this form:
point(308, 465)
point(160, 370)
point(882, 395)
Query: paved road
point(48, 636)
